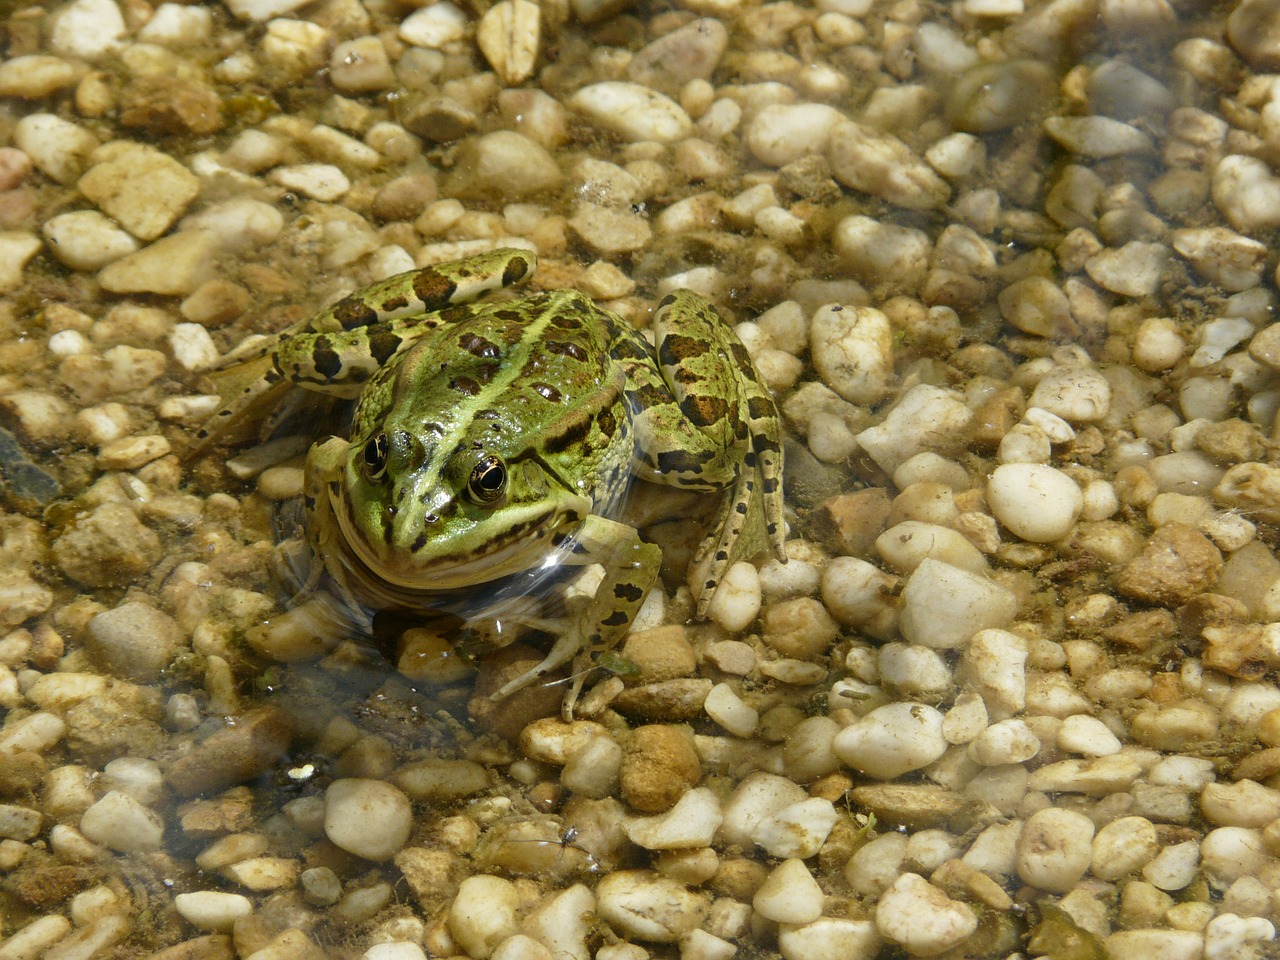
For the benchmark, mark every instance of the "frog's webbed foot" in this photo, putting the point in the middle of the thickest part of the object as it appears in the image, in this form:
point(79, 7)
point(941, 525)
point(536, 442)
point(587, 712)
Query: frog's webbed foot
point(630, 567)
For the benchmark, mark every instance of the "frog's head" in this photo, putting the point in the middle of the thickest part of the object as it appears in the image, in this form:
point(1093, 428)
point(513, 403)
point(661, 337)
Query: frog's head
point(418, 514)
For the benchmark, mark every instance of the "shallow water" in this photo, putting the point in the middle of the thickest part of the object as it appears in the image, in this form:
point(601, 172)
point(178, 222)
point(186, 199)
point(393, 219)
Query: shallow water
point(1039, 714)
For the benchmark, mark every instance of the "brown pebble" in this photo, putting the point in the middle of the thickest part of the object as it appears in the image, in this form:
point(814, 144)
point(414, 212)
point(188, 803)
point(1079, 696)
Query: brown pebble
point(507, 717)
point(671, 700)
point(165, 105)
point(230, 812)
point(659, 765)
point(404, 198)
point(234, 754)
point(738, 878)
point(849, 523)
point(1232, 441)
point(1209, 609)
point(663, 653)
point(1142, 630)
point(1177, 563)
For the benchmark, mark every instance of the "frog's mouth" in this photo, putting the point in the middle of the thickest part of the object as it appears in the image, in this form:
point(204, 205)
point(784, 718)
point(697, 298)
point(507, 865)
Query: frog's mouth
point(529, 537)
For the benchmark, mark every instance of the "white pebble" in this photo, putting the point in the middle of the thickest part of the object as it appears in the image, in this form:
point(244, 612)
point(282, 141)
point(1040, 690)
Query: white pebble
point(782, 133)
point(1087, 735)
point(211, 910)
point(892, 740)
point(943, 606)
point(1228, 937)
point(1055, 849)
point(1247, 193)
point(1174, 867)
point(690, 824)
point(643, 905)
point(369, 818)
point(434, 26)
point(632, 111)
point(1035, 501)
point(789, 894)
point(756, 798)
point(737, 600)
point(88, 29)
point(319, 181)
point(121, 823)
point(1077, 393)
point(830, 938)
point(797, 831)
point(921, 918)
point(483, 913)
point(1007, 741)
point(726, 708)
point(86, 240)
point(1123, 847)
point(1229, 853)
point(926, 417)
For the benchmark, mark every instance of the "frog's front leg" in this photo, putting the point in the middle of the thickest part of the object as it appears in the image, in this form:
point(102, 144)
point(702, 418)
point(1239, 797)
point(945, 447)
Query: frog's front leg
point(322, 477)
point(630, 568)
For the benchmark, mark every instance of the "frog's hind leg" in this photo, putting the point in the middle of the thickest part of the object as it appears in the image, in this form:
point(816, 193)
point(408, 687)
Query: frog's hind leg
point(717, 429)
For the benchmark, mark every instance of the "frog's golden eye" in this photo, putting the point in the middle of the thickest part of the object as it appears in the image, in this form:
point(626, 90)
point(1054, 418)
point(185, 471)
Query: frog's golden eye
point(375, 457)
point(488, 481)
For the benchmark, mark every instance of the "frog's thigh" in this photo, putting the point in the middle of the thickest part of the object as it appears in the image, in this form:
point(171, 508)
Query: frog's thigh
point(630, 568)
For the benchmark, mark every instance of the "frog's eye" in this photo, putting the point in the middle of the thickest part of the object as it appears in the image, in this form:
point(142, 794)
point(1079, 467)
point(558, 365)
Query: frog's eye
point(375, 457)
point(488, 481)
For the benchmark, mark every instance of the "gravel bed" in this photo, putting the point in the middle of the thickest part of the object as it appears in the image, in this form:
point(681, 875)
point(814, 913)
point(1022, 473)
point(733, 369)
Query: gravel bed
point(1007, 266)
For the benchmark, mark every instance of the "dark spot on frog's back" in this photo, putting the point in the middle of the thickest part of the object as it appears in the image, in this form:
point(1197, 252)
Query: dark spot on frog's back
point(566, 348)
point(675, 348)
point(758, 408)
point(465, 385)
point(629, 592)
point(353, 312)
point(383, 346)
point(607, 422)
point(546, 391)
point(516, 270)
point(325, 358)
point(431, 287)
point(703, 411)
point(478, 346)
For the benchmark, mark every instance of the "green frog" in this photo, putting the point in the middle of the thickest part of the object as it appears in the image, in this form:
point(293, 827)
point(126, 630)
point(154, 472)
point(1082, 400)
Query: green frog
point(495, 437)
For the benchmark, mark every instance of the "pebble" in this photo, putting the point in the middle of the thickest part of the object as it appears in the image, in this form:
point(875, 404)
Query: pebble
point(1253, 30)
point(1074, 392)
point(789, 894)
point(212, 910)
point(369, 818)
point(108, 547)
point(646, 906)
point(1087, 735)
point(173, 266)
point(830, 938)
point(121, 823)
point(1176, 563)
point(483, 914)
point(759, 796)
point(1096, 136)
point(852, 349)
point(797, 831)
point(884, 255)
point(36, 75)
point(319, 181)
point(88, 29)
point(260, 10)
point(17, 247)
point(1134, 270)
point(883, 166)
point(690, 52)
point(57, 147)
point(1123, 847)
point(1228, 936)
point(141, 188)
point(360, 66)
point(783, 133)
point(134, 640)
point(926, 418)
point(997, 96)
point(86, 239)
point(1055, 849)
point(1247, 193)
point(1222, 255)
point(1173, 867)
point(632, 111)
point(505, 164)
point(727, 709)
point(943, 606)
point(923, 920)
point(892, 740)
point(690, 824)
point(235, 754)
point(1034, 501)
point(1155, 944)
point(659, 765)
point(737, 599)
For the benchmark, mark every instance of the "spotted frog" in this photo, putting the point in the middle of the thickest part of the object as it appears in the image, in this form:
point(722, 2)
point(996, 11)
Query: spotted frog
point(495, 437)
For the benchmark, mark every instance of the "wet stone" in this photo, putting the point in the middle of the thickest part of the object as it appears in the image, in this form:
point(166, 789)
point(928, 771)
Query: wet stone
point(1176, 563)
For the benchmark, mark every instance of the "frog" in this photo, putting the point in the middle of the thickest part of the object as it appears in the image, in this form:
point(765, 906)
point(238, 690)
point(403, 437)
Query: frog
point(496, 435)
